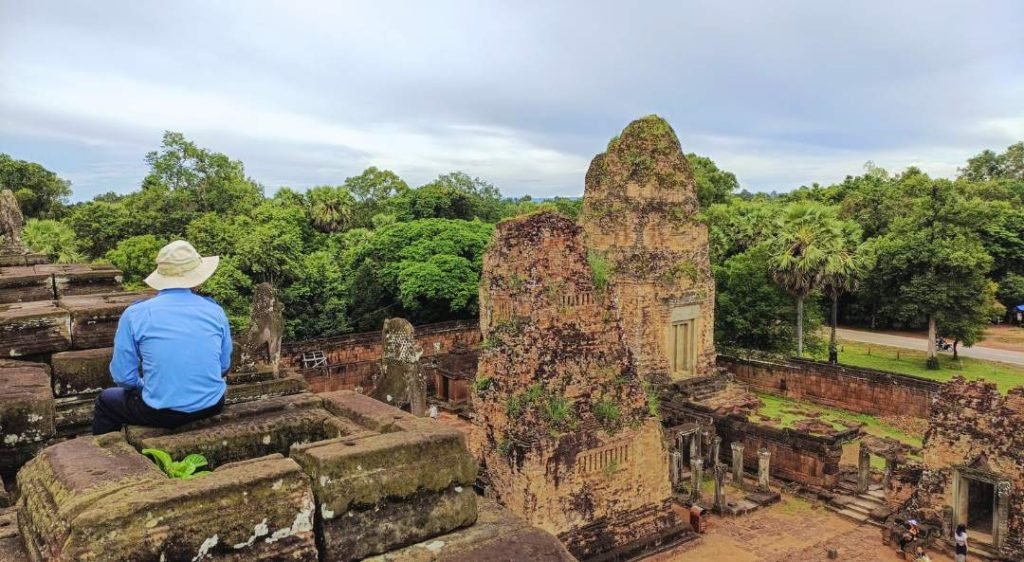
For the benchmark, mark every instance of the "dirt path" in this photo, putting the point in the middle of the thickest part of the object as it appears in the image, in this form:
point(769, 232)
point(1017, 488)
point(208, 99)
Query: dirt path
point(793, 531)
point(913, 341)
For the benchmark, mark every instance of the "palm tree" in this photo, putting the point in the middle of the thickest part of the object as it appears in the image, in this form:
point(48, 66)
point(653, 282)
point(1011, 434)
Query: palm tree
point(844, 264)
point(330, 208)
point(799, 252)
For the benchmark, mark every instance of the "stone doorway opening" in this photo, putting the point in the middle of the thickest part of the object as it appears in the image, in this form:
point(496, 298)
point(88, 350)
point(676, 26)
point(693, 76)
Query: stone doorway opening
point(981, 508)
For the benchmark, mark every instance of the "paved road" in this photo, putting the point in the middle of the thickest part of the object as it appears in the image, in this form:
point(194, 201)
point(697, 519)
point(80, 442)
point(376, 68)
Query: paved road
point(987, 353)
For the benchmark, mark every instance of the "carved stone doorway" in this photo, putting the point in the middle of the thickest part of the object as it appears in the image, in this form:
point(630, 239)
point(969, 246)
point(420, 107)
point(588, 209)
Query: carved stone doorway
point(981, 501)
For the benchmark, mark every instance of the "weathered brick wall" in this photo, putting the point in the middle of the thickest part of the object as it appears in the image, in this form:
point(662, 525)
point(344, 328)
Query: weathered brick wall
point(796, 456)
point(974, 427)
point(859, 390)
point(353, 360)
point(569, 441)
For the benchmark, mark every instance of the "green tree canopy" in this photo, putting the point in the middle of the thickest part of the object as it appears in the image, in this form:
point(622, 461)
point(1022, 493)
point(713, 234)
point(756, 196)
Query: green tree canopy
point(40, 192)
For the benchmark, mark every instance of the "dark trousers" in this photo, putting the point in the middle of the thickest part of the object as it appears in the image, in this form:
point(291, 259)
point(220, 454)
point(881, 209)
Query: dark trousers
point(117, 407)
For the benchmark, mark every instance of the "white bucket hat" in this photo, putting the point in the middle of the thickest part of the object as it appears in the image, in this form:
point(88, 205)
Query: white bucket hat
point(179, 266)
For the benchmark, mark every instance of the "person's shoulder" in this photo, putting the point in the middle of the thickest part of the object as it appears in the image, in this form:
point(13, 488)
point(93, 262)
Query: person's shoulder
point(213, 304)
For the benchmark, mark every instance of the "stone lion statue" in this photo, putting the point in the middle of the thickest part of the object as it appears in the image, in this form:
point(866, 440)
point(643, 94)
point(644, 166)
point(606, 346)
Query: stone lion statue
point(262, 342)
point(11, 223)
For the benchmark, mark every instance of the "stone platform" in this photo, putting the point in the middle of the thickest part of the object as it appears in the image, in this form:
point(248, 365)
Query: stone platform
point(378, 478)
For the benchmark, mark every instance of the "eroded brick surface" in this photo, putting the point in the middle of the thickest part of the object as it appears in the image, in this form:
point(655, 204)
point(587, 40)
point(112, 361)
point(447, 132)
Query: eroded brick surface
point(976, 432)
point(639, 214)
point(570, 441)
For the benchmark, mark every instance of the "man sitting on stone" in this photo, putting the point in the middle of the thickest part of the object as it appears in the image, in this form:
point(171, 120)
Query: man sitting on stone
point(170, 351)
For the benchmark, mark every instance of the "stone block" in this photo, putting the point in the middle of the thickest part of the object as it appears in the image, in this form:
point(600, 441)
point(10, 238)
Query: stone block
point(11, 548)
point(497, 536)
point(82, 279)
point(364, 410)
point(94, 317)
point(291, 383)
point(418, 481)
point(21, 260)
point(73, 414)
point(33, 327)
point(24, 284)
point(26, 406)
point(85, 371)
point(96, 498)
point(248, 430)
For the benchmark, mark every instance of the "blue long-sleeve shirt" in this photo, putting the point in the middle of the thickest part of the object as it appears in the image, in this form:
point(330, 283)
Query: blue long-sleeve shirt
point(184, 343)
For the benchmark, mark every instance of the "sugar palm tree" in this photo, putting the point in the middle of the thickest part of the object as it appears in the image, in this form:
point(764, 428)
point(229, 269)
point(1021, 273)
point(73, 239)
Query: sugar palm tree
point(845, 262)
point(330, 208)
point(799, 252)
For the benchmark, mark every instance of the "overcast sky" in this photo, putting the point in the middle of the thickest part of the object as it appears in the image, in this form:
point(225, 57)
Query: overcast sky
point(521, 93)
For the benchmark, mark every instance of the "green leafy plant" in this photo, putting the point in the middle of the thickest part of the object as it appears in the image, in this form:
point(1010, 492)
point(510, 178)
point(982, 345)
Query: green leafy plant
point(607, 412)
point(482, 385)
point(599, 269)
point(184, 469)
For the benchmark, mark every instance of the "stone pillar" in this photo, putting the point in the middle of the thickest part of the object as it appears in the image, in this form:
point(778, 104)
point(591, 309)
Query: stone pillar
point(400, 380)
point(674, 466)
point(696, 478)
point(716, 450)
point(719, 488)
point(705, 453)
point(764, 457)
point(890, 467)
point(695, 445)
point(1002, 517)
point(864, 469)
point(737, 463)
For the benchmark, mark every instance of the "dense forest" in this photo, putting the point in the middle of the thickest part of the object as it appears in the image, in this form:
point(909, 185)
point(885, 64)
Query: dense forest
point(879, 249)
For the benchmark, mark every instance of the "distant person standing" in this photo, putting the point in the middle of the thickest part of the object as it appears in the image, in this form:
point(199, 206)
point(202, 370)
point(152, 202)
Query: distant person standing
point(170, 351)
point(960, 540)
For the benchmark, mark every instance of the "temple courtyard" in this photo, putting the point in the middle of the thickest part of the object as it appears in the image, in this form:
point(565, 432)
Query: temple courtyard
point(790, 531)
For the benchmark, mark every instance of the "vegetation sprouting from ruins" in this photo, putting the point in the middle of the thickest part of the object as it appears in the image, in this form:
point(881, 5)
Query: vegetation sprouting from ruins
point(184, 469)
point(917, 251)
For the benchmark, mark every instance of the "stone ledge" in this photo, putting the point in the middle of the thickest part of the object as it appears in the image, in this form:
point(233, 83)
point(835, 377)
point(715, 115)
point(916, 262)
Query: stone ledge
point(94, 317)
point(82, 279)
point(99, 499)
point(497, 536)
point(24, 284)
point(30, 328)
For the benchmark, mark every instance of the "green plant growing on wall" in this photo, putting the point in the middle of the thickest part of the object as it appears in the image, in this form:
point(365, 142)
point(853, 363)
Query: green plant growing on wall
point(652, 399)
point(482, 385)
point(600, 271)
point(607, 412)
point(185, 469)
point(559, 413)
point(505, 447)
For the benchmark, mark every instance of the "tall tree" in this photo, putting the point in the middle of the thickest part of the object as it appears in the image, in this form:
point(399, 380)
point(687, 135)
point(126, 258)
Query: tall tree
point(799, 253)
point(989, 165)
point(330, 208)
point(932, 263)
point(845, 262)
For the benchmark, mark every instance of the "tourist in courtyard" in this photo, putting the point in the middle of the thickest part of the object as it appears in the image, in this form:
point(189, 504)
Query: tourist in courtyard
point(170, 351)
point(960, 538)
point(922, 556)
point(913, 531)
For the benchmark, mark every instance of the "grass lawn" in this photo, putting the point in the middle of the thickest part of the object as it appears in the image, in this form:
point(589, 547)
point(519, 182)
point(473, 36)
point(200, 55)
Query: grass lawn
point(782, 408)
point(911, 362)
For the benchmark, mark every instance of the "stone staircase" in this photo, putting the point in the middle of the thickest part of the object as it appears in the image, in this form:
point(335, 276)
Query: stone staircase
point(868, 507)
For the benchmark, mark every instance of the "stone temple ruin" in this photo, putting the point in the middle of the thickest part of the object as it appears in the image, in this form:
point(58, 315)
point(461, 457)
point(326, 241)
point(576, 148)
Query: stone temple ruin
point(638, 214)
point(597, 413)
point(572, 442)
